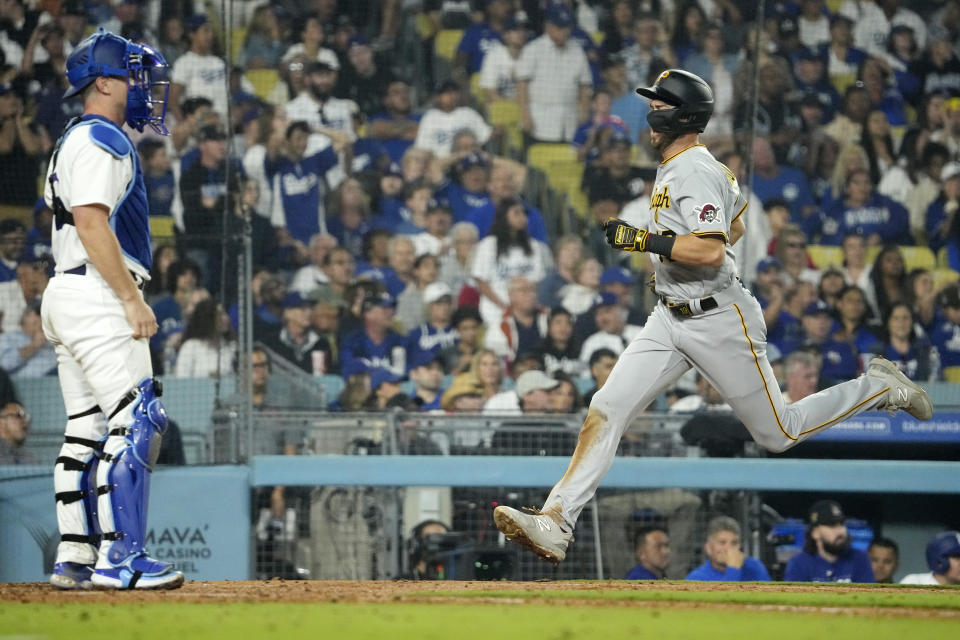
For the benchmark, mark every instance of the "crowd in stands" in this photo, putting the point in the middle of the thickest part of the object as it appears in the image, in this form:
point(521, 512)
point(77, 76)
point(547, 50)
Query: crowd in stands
point(394, 233)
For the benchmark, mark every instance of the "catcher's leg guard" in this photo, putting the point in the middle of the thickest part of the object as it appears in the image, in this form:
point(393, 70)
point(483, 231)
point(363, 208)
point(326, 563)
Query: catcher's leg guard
point(123, 479)
point(76, 495)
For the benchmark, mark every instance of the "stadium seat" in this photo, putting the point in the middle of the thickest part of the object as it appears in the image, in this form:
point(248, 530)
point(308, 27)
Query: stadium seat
point(944, 277)
point(544, 154)
point(446, 42)
point(506, 114)
point(565, 177)
point(238, 36)
point(263, 81)
point(943, 258)
point(872, 254)
point(475, 89)
point(824, 256)
point(918, 258)
point(598, 37)
point(951, 374)
point(161, 227)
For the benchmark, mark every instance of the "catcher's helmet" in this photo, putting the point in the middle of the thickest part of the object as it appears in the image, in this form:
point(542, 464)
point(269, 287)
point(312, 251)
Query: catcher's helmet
point(690, 94)
point(940, 549)
point(107, 54)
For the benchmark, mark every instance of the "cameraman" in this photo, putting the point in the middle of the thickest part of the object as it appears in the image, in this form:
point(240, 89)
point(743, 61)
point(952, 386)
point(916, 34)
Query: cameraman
point(420, 548)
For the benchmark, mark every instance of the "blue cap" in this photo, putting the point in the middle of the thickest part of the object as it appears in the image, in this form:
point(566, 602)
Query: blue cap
point(605, 299)
point(294, 299)
point(767, 263)
point(357, 39)
point(439, 204)
point(817, 307)
point(617, 138)
point(353, 367)
point(619, 275)
point(425, 357)
point(195, 21)
point(393, 170)
point(515, 22)
point(471, 160)
point(559, 15)
point(380, 375)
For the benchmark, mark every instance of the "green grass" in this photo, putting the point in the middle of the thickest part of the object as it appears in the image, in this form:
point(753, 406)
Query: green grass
point(825, 597)
point(481, 621)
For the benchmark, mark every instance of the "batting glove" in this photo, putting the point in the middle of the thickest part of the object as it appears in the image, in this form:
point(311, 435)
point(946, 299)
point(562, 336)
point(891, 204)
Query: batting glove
point(623, 236)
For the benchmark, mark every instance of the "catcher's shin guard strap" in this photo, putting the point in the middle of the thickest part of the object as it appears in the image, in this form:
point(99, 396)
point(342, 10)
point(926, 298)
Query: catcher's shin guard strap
point(75, 537)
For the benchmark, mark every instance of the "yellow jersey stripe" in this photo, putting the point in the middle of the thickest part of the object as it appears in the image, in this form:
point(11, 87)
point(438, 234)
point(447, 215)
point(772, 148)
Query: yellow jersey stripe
point(756, 361)
point(745, 205)
point(662, 162)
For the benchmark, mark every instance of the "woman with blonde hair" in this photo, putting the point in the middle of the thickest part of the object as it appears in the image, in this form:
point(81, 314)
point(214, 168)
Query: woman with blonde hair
point(851, 158)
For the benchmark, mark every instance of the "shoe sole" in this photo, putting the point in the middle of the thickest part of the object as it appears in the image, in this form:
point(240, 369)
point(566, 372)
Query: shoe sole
point(891, 369)
point(513, 531)
point(102, 583)
point(67, 583)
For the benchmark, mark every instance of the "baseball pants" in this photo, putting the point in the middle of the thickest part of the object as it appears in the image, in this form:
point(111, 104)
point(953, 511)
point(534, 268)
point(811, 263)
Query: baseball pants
point(728, 347)
point(99, 362)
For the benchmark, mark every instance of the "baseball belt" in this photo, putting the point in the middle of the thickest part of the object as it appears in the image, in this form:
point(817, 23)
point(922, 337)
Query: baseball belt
point(82, 271)
point(690, 308)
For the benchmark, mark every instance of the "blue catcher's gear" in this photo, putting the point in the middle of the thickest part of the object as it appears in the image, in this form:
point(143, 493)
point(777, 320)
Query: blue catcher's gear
point(941, 548)
point(131, 451)
point(107, 54)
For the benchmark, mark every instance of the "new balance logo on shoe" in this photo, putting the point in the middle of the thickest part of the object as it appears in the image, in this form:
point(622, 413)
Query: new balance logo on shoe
point(901, 395)
point(543, 526)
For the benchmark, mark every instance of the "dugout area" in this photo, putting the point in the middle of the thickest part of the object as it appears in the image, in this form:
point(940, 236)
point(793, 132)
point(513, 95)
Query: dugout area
point(468, 610)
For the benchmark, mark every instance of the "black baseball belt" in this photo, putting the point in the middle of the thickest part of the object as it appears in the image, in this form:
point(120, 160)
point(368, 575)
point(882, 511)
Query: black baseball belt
point(689, 308)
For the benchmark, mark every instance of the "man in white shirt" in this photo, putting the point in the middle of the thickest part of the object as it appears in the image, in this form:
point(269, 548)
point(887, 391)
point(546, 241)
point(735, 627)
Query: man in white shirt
point(446, 118)
point(198, 72)
point(316, 105)
point(553, 81)
point(873, 21)
point(943, 558)
point(498, 72)
point(310, 277)
point(613, 331)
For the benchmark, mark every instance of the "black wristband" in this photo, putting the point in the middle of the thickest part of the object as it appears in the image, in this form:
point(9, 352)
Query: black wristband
point(657, 243)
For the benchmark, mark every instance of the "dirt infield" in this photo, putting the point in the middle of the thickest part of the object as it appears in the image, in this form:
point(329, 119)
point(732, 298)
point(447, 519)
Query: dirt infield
point(617, 594)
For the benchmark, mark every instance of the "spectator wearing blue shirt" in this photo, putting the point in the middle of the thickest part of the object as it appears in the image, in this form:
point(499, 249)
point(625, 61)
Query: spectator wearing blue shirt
point(907, 346)
point(26, 353)
point(396, 126)
point(426, 373)
point(39, 240)
point(652, 545)
point(375, 344)
point(469, 192)
point(842, 58)
point(774, 181)
point(827, 555)
point(184, 277)
point(725, 561)
point(879, 218)
point(13, 242)
point(840, 362)
point(437, 333)
point(786, 333)
point(946, 332)
point(157, 177)
point(481, 36)
point(503, 185)
point(299, 182)
point(855, 326)
point(809, 74)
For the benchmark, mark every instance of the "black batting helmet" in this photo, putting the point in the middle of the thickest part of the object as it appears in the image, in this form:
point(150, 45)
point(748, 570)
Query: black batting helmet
point(689, 93)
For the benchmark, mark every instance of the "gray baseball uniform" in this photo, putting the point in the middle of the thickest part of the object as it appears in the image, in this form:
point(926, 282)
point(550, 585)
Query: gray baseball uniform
point(695, 194)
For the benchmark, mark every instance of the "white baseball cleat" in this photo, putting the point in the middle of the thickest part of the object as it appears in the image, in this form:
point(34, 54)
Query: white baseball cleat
point(535, 530)
point(904, 394)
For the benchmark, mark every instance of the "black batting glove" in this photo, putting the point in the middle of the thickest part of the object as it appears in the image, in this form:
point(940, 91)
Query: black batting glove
point(623, 236)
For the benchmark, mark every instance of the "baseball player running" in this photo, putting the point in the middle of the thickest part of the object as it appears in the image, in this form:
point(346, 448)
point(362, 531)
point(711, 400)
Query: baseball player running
point(705, 319)
point(95, 315)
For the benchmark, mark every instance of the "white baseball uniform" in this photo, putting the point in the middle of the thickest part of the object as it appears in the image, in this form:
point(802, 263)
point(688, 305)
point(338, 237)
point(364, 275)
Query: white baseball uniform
point(695, 194)
point(99, 360)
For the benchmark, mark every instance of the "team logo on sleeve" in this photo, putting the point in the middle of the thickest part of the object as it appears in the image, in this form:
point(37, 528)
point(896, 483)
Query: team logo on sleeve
point(707, 213)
